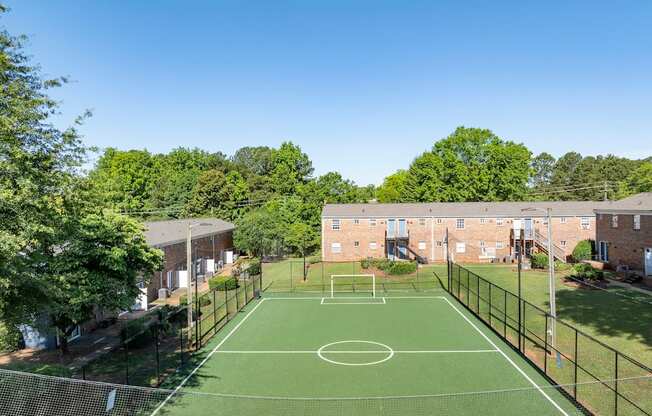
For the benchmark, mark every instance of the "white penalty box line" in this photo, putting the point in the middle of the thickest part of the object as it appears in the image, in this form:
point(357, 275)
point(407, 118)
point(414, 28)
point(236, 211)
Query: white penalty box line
point(353, 301)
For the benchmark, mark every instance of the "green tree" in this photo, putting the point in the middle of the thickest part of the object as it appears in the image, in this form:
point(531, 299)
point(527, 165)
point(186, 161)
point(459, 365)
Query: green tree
point(393, 188)
point(95, 262)
point(542, 168)
point(470, 165)
point(639, 180)
point(218, 194)
point(257, 160)
point(291, 168)
point(259, 233)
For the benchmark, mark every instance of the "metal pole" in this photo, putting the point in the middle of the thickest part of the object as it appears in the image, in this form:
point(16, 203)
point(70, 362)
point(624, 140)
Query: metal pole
point(197, 307)
point(551, 278)
point(520, 268)
point(189, 277)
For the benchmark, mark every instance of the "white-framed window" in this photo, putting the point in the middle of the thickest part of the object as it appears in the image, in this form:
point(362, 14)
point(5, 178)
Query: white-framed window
point(356, 221)
point(585, 223)
point(459, 223)
point(460, 247)
point(422, 221)
point(372, 222)
point(336, 248)
point(563, 243)
point(500, 222)
point(482, 244)
point(422, 245)
point(614, 221)
point(500, 245)
point(439, 243)
point(439, 220)
point(373, 245)
point(637, 222)
point(563, 220)
point(356, 244)
point(335, 225)
point(483, 221)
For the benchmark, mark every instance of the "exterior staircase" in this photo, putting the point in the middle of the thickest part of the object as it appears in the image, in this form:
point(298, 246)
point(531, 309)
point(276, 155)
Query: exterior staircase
point(541, 242)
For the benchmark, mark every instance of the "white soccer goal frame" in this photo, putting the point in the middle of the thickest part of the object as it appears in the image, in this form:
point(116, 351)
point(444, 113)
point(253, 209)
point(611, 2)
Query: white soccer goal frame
point(373, 282)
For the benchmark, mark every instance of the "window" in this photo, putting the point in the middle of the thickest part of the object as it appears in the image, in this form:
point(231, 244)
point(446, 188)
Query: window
point(459, 223)
point(460, 248)
point(356, 244)
point(637, 222)
point(545, 221)
point(439, 243)
point(500, 244)
point(562, 220)
point(499, 222)
point(439, 220)
point(603, 251)
point(585, 223)
point(482, 243)
point(336, 248)
point(422, 245)
point(614, 221)
point(483, 221)
point(372, 222)
point(373, 245)
point(563, 243)
point(356, 221)
point(422, 221)
point(335, 225)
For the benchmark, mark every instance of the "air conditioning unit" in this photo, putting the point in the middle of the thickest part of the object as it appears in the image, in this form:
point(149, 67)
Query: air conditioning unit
point(162, 293)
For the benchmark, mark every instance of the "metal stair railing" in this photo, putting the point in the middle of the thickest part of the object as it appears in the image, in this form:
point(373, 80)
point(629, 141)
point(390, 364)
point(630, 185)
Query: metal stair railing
point(542, 242)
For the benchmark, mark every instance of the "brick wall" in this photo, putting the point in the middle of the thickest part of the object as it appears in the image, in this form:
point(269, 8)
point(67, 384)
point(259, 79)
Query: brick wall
point(625, 244)
point(427, 236)
point(211, 247)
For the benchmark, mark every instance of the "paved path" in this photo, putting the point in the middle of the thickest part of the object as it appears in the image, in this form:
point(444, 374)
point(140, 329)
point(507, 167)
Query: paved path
point(628, 286)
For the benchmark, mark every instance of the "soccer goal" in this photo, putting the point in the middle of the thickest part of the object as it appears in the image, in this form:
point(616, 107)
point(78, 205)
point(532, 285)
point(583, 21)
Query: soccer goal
point(359, 283)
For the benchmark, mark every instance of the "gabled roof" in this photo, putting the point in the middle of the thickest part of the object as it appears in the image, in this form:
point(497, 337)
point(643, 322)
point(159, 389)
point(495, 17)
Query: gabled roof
point(165, 233)
point(636, 203)
point(462, 209)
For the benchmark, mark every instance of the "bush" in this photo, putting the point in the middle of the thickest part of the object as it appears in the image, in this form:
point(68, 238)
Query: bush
point(585, 271)
point(223, 283)
point(539, 261)
point(10, 338)
point(380, 264)
point(561, 266)
point(583, 250)
point(402, 267)
point(253, 268)
point(203, 300)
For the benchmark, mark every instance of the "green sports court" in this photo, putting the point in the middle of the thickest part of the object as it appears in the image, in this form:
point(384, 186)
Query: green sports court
point(356, 354)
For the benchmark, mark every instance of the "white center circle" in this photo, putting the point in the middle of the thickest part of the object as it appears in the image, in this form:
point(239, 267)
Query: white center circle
point(387, 350)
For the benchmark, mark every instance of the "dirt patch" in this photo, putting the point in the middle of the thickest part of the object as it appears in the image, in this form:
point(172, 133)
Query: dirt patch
point(576, 284)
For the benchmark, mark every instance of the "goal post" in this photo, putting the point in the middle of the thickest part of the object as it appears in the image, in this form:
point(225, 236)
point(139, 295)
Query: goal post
point(353, 277)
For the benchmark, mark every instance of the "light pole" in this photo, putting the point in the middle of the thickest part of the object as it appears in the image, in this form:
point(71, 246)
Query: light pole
point(189, 268)
point(551, 273)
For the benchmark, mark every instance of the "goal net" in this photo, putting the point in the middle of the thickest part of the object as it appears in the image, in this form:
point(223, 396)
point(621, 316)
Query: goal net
point(353, 283)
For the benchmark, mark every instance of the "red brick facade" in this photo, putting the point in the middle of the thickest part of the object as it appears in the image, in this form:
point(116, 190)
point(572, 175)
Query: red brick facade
point(212, 247)
point(619, 241)
point(471, 239)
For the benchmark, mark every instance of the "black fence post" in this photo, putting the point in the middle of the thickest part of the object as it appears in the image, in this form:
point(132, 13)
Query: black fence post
point(84, 372)
point(237, 301)
point(477, 295)
point(616, 384)
point(181, 344)
point(226, 301)
point(575, 370)
point(505, 315)
point(126, 348)
point(521, 329)
point(468, 288)
point(158, 358)
point(490, 308)
point(545, 348)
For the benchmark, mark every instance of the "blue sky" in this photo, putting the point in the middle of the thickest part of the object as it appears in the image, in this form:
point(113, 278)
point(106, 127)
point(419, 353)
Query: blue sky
point(362, 86)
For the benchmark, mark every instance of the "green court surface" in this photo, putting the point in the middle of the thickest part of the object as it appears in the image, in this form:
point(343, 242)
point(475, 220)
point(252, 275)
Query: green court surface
point(396, 355)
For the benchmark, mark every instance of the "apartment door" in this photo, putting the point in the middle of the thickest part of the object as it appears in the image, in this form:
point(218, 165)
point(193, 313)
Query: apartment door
point(402, 250)
point(603, 252)
point(391, 249)
point(648, 261)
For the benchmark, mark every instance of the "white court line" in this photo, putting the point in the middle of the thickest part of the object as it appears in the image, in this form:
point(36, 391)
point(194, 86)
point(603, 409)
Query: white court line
point(507, 358)
point(354, 352)
point(353, 297)
point(192, 373)
point(353, 303)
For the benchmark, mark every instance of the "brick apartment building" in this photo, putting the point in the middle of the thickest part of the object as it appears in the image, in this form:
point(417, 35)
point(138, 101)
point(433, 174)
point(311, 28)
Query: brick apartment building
point(477, 231)
point(212, 245)
point(624, 234)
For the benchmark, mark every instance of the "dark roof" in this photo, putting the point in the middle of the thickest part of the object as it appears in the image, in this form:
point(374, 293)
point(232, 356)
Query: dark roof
point(165, 233)
point(461, 209)
point(640, 203)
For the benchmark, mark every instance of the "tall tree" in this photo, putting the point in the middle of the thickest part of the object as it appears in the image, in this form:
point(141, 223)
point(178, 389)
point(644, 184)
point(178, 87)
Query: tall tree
point(393, 188)
point(257, 160)
point(291, 168)
point(218, 194)
point(639, 180)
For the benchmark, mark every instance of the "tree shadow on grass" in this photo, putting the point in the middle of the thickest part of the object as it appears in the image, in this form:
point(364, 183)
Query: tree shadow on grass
point(618, 313)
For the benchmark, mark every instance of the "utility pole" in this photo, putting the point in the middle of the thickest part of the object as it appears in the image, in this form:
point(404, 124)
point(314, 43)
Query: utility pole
point(606, 198)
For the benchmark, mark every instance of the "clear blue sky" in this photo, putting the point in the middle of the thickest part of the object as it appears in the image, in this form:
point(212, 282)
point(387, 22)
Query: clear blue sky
point(362, 86)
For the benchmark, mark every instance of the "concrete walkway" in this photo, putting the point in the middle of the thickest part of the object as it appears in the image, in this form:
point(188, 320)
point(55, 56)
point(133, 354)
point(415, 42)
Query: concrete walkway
point(628, 286)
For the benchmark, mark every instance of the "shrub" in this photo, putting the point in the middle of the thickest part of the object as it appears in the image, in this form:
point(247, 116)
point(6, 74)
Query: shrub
point(583, 250)
point(203, 300)
point(380, 264)
point(223, 283)
point(539, 261)
point(561, 266)
point(253, 268)
point(585, 271)
point(10, 338)
point(402, 267)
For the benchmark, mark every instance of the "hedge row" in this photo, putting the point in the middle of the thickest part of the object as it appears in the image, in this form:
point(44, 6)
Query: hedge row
point(389, 266)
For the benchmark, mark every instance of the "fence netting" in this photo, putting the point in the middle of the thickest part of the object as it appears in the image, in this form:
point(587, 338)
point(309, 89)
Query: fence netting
point(23, 394)
point(587, 368)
